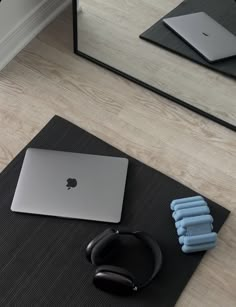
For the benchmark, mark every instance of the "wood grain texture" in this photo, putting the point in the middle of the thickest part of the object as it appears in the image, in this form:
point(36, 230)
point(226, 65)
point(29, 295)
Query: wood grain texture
point(47, 79)
point(109, 32)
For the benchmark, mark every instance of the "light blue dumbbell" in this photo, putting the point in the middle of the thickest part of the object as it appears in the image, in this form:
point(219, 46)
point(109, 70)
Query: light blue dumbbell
point(193, 223)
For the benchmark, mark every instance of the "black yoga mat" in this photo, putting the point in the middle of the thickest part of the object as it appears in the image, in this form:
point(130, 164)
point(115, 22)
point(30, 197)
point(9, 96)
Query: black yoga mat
point(42, 259)
point(223, 12)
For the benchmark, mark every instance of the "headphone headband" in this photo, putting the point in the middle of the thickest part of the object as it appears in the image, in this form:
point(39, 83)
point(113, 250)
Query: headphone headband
point(153, 246)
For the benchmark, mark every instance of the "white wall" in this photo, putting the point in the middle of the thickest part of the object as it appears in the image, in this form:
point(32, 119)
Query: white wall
point(12, 12)
point(21, 21)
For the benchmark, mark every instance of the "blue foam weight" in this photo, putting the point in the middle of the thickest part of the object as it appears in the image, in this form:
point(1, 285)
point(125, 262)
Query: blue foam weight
point(193, 223)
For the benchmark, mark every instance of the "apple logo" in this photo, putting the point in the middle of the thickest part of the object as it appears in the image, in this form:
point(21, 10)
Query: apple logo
point(71, 183)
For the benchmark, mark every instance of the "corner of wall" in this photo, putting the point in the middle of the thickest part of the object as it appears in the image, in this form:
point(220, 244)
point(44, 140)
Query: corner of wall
point(28, 28)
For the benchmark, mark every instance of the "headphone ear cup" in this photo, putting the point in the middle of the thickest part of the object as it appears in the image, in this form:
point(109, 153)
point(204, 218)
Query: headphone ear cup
point(95, 241)
point(104, 248)
point(114, 279)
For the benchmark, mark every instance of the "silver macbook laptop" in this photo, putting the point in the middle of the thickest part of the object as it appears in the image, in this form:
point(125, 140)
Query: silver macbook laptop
point(205, 35)
point(71, 185)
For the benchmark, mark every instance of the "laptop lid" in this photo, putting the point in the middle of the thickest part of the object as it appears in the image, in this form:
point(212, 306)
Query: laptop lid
point(71, 185)
point(205, 35)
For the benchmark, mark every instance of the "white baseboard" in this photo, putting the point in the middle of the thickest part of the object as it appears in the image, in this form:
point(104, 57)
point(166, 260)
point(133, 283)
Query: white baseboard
point(28, 28)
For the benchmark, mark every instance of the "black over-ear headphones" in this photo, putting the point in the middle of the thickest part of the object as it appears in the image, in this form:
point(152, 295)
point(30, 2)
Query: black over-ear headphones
point(113, 278)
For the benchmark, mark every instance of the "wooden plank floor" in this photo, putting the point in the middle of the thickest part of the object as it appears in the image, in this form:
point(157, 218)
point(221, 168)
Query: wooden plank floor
point(47, 79)
point(108, 30)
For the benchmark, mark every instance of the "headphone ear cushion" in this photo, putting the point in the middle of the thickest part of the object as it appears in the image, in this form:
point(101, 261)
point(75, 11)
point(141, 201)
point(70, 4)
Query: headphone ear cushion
point(116, 270)
point(104, 248)
point(114, 279)
point(95, 241)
